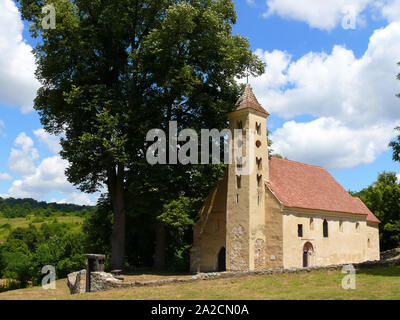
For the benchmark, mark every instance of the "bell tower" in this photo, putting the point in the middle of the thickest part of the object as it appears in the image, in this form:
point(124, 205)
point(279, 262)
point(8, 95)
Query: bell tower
point(247, 174)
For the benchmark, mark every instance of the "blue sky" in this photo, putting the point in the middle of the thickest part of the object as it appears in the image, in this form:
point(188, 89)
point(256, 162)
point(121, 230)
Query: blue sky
point(329, 89)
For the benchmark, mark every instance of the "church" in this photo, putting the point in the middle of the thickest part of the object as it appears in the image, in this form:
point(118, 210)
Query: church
point(282, 214)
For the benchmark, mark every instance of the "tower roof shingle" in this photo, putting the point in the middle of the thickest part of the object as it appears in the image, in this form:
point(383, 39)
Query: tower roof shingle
point(249, 100)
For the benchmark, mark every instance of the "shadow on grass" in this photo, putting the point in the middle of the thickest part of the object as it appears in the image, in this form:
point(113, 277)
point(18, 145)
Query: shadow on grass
point(387, 271)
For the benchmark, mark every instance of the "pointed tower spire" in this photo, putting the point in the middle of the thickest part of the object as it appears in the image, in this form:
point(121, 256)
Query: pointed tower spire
point(249, 100)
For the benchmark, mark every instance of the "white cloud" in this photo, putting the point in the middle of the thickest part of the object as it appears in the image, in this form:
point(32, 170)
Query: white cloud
point(18, 85)
point(5, 176)
point(356, 96)
point(2, 125)
point(356, 91)
point(47, 177)
point(21, 161)
point(389, 9)
point(331, 144)
point(78, 198)
point(398, 177)
point(325, 14)
point(328, 14)
point(51, 141)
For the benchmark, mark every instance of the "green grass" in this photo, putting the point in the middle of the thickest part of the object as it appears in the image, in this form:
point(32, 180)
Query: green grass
point(7, 224)
point(371, 283)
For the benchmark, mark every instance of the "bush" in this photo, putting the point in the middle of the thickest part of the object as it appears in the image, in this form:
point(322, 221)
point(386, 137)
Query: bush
point(65, 253)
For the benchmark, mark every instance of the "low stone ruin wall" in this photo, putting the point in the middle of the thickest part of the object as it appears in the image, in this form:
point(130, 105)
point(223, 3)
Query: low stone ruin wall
point(391, 254)
point(101, 281)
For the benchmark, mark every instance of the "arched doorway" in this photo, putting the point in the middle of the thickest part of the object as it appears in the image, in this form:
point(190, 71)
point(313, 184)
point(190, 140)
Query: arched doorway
point(308, 250)
point(221, 260)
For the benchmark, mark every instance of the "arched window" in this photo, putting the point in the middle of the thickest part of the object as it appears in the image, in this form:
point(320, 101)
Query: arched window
point(259, 179)
point(325, 228)
point(239, 164)
point(258, 128)
point(311, 224)
point(259, 163)
point(238, 182)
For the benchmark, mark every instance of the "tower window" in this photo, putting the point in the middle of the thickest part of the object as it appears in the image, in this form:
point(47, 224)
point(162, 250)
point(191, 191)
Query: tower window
point(237, 198)
point(258, 143)
point(300, 230)
point(341, 226)
point(239, 164)
point(258, 128)
point(311, 224)
point(259, 179)
point(259, 163)
point(369, 243)
point(325, 228)
point(238, 182)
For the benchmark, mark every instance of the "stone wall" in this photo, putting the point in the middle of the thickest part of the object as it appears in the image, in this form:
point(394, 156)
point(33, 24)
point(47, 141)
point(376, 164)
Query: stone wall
point(274, 231)
point(104, 282)
point(392, 254)
point(209, 232)
point(347, 240)
point(99, 281)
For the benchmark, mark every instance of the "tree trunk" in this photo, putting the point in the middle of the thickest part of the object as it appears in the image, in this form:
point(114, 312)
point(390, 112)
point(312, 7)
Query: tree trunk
point(159, 252)
point(116, 191)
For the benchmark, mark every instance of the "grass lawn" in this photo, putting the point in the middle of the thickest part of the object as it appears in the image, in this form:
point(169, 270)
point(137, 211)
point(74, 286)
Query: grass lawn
point(7, 224)
point(371, 283)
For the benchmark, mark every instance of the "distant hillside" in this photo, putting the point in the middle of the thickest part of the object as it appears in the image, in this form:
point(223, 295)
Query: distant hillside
point(18, 208)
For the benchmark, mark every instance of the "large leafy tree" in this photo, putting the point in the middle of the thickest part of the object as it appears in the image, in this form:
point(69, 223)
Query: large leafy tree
point(382, 198)
point(113, 69)
point(396, 143)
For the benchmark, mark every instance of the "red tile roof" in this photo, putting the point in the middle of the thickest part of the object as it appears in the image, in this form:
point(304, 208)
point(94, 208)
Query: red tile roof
point(300, 185)
point(249, 100)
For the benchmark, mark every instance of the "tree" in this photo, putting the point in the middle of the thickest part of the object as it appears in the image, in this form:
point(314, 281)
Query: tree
point(113, 69)
point(396, 143)
point(382, 198)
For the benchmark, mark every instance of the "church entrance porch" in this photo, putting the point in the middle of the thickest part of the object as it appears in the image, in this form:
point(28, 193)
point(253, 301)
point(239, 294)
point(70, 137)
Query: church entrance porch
point(308, 251)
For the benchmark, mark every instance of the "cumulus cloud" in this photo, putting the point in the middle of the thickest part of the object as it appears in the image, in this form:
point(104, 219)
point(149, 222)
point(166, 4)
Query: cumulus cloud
point(78, 198)
point(21, 161)
point(390, 9)
point(52, 142)
point(5, 176)
point(329, 143)
point(356, 91)
point(18, 85)
point(354, 97)
point(46, 178)
point(325, 14)
point(328, 14)
point(2, 125)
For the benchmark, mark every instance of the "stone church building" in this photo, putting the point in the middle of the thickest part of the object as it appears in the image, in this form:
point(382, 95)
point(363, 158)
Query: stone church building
point(283, 214)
